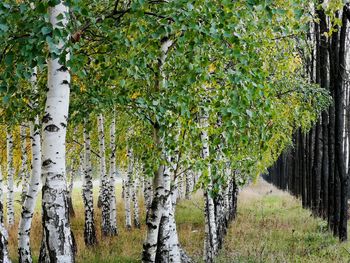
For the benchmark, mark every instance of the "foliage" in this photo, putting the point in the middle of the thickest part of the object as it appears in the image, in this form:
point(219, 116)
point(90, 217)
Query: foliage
point(238, 60)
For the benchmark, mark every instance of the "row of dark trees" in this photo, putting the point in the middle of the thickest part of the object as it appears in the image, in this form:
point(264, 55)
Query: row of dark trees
point(316, 167)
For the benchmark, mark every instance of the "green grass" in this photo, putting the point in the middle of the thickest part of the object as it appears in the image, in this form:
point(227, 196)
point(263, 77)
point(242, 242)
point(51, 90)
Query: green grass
point(270, 227)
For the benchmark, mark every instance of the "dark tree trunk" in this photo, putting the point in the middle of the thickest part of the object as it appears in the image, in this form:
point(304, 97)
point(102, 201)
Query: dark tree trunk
point(317, 169)
point(324, 84)
point(339, 129)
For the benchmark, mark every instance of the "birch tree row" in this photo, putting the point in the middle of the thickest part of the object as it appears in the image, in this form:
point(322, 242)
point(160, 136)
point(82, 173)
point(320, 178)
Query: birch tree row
point(203, 95)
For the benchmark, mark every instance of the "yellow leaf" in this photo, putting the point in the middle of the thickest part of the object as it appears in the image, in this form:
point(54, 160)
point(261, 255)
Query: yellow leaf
point(212, 68)
point(135, 95)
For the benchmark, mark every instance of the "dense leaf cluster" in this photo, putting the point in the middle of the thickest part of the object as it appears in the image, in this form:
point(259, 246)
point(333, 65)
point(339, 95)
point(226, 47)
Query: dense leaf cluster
point(241, 61)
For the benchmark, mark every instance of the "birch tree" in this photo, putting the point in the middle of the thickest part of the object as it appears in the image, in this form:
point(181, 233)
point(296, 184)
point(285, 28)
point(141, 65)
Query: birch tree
point(58, 238)
point(23, 172)
point(148, 192)
point(1, 187)
point(113, 174)
point(210, 239)
point(88, 197)
point(189, 184)
point(128, 190)
point(159, 245)
point(25, 223)
point(24, 230)
point(10, 179)
point(4, 254)
point(134, 197)
point(105, 180)
point(71, 171)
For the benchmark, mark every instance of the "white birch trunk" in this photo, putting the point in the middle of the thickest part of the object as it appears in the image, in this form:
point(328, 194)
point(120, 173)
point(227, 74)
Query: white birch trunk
point(161, 244)
point(58, 239)
point(128, 189)
point(123, 188)
point(233, 193)
point(24, 173)
point(1, 187)
point(72, 170)
point(88, 197)
point(134, 190)
point(219, 199)
point(189, 184)
point(227, 200)
point(70, 190)
point(181, 191)
point(10, 175)
point(155, 214)
point(220, 219)
point(170, 249)
point(148, 192)
point(210, 239)
point(105, 187)
point(24, 251)
point(174, 246)
point(113, 174)
point(81, 163)
point(4, 254)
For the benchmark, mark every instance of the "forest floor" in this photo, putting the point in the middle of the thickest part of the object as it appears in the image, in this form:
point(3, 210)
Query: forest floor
point(271, 226)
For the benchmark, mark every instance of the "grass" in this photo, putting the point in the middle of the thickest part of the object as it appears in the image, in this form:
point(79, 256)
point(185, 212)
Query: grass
point(271, 226)
point(127, 246)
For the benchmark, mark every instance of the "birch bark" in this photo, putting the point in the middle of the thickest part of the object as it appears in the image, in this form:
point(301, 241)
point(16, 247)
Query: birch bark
point(88, 198)
point(105, 187)
point(134, 189)
point(123, 188)
point(24, 173)
point(113, 174)
point(1, 186)
point(24, 250)
point(189, 184)
point(29, 201)
point(148, 192)
point(127, 190)
point(72, 172)
point(210, 239)
point(161, 244)
point(10, 175)
point(58, 242)
point(4, 254)
point(154, 238)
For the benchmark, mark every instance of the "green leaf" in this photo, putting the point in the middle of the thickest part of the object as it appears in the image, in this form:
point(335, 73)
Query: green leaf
point(9, 59)
point(249, 113)
point(46, 30)
point(4, 27)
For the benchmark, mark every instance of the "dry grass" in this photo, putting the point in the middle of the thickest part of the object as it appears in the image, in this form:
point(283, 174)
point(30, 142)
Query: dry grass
point(270, 227)
point(127, 246)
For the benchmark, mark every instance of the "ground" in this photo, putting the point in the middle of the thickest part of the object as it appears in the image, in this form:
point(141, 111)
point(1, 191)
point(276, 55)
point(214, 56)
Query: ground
point(271, 226)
